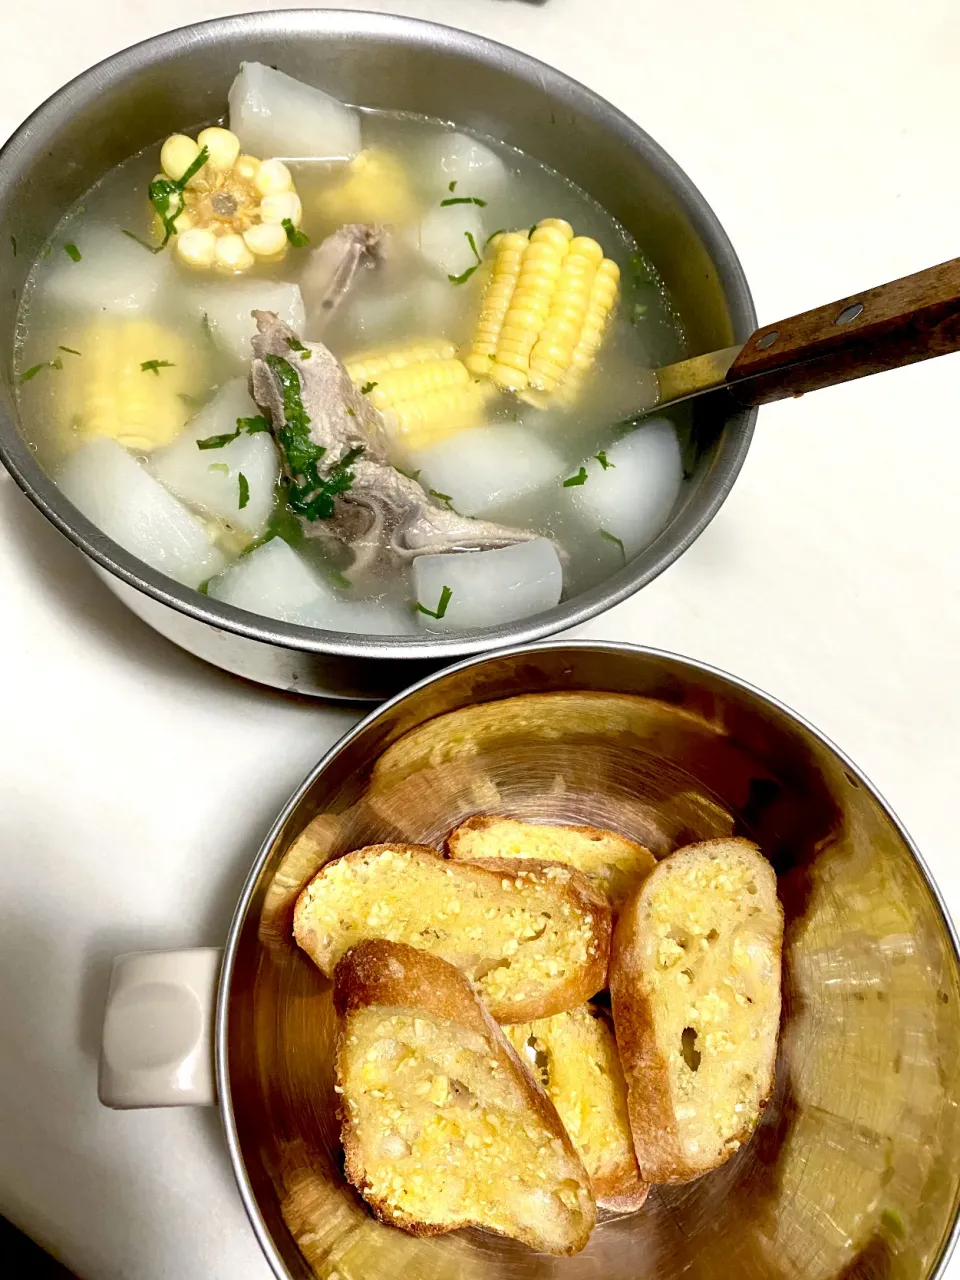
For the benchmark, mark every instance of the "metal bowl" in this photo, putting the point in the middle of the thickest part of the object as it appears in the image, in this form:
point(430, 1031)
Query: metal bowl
point(855, 1168)
point(138, 96)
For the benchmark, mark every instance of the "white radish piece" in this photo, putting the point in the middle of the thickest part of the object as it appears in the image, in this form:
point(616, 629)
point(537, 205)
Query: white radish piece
point(227, 309)
point(448, 237)
point(114, 275)
point(488, 588)
point(476, 170)
point(113, 491)
point(274, 581)
point(483, 468)
point(209, 479)
point(632, 497)
point(274, 115)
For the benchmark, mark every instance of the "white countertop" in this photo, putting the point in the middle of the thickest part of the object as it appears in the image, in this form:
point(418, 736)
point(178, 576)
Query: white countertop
point(137, 783)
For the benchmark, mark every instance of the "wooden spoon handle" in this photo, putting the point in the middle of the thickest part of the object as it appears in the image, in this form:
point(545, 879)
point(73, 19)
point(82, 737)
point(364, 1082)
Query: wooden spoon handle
point(895, 324)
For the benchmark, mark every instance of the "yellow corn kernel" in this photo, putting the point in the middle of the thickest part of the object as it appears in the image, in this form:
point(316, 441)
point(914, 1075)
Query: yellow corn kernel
point(540, 271)
point(108, 393)
point(374, 188)
point(508, 249)
point(552, 354)
point(423, 392)
point(603, 299)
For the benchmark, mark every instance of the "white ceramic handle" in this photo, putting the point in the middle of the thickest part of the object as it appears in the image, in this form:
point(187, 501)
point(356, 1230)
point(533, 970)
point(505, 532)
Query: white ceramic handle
point(157, 1045)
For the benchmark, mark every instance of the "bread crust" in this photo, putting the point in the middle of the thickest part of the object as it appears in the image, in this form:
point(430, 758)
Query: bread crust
point(392, 974)
point(574, 891)
point(653, 1120)
point(458, 845)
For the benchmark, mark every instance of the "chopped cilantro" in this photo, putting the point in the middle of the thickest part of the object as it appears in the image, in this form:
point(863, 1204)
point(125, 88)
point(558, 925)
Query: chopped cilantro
point(219, 466)
point(296, 238)
point(252, 425)
point(207, 327)
point(604, 461)
point(452, 186)
point(295, 344)
point(70, 351)
point(463, 200)
point(339, 579)
point(411, 475)
point(464, 276)
point(445, 597)
point(244, 488)
point(313, 496)
point(46, 251)
point(533, 228)
point(501, 231)
point(282, 524)
point(32, 372)
point(611, 537)
point(441, 497)
point(13, 245)
point(367, 388)
point(638, 311)
point(890, 1219)
point(166, 194)
point(204, 588)
point(351, 413)
point(154, 366)
point(579, 478)
point(150, 248)
point(72, 252)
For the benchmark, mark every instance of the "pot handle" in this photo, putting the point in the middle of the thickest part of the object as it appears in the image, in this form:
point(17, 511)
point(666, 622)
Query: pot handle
point(157, 1043)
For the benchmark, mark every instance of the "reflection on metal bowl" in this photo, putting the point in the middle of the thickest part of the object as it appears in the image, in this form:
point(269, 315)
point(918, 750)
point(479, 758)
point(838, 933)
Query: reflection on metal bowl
point(855, 1168)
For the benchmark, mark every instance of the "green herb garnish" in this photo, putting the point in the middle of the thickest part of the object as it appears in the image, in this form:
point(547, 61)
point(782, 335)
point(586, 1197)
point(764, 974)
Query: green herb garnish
point(219, 466)
point(207, 327)
point(533, 228)
point(252, 425)
point(367, 388)
point(296, 237)
point(411, 475)
point(295, 344)
point(452, 186)
point(445, 596)
point(244, 488)
point(13, 245)
point(638, 311)
point(150, 248)
point(282, 523)
point(154, 366)
point(72, 252)
point(166, 195)
point(313, 497)
point(204, 588)
point(604, 461)
point(35, 369)
point(441, 497)
point(890, 1219)
point(502, 231)
point(470, 270)
point(339, 579)
point(579, 478)
point(46, 251)
point(70, 351)
point(463, 200)
point(611, 537)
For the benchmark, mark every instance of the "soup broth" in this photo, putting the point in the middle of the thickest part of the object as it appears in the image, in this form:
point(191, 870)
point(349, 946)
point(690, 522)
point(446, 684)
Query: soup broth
point(134, 372)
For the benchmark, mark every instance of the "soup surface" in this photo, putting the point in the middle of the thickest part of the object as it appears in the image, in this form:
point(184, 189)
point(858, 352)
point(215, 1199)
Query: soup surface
point(450, 337)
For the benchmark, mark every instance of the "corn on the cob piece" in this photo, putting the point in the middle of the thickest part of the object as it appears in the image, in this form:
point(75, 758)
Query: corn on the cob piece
point(603, 299)
point(108, 392)
point(544, 310)
point(232, 210)
point(423, 391)
point(374, 189)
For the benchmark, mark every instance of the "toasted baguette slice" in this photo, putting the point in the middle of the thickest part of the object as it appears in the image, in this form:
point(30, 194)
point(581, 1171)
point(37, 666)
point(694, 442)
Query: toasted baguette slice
point(695, 989)
point(574, 1056)
point(441, 1125)
point(615, 865)
point(534, 937)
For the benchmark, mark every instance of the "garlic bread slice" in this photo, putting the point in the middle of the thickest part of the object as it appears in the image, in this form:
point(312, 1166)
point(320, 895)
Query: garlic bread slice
point(442, 1127)
point(615, 865)
point(533, 936)
point(695, 990)
point(574, 1056)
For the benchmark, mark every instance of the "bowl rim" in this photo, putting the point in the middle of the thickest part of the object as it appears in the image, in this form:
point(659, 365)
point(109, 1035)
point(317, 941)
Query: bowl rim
point(20, 461)
point(695, 665)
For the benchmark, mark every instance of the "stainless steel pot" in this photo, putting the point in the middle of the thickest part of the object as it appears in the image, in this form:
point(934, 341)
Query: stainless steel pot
point(854, 1172)
point(140, 95)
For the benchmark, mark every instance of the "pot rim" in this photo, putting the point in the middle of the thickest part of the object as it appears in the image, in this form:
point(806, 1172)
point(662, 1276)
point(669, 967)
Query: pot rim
point(221, 1052)
point(43, 492)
